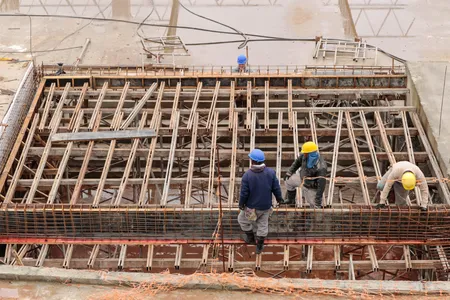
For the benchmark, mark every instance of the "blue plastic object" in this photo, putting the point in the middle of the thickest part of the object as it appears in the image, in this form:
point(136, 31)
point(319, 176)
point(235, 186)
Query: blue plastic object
point(242, 59)
point(257, 155)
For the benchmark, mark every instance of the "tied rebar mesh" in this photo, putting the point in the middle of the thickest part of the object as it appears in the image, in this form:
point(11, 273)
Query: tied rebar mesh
point(133, 223)
point(16, 114)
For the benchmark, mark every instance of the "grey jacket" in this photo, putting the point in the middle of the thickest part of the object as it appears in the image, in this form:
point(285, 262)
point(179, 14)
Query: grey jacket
point(395, 174)
point(319, 170)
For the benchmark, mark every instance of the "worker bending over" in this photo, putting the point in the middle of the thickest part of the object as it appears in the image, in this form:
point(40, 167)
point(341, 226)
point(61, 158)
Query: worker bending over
point(308, 165)
point(403, 176)
point(255, 203)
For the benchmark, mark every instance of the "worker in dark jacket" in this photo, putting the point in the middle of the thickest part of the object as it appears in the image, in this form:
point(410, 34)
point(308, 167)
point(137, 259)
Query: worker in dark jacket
point(255, 203)
point(308, 165)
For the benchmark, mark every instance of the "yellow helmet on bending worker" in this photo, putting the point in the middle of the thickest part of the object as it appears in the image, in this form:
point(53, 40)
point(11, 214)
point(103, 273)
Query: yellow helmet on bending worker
point(309, 147)
point(409, 181)
point(401, 178)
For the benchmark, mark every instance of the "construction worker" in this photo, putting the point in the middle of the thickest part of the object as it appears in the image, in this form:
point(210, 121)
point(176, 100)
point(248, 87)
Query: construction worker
point(403, 177)
point(255, 203)
point(242, 64)
point(308, 165)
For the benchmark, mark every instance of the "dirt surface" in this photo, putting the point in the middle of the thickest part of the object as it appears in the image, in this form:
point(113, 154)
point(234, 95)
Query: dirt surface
point(56, 291)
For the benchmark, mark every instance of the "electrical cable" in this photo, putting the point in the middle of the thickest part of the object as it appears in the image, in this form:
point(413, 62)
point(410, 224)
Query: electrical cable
point(217, 22)
point(189, 28)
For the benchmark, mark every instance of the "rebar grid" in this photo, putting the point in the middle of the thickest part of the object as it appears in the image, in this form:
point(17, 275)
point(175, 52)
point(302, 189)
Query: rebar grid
point(341, 225)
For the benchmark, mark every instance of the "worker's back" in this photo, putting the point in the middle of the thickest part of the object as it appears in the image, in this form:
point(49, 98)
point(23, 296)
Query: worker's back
point(258, 184)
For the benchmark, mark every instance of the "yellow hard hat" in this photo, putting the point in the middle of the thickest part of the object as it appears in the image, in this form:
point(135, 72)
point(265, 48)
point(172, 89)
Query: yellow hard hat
point(409, 181)
point(309, 147)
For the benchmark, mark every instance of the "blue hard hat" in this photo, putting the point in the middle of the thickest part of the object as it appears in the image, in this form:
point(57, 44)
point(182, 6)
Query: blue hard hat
point(241, 59)
point(257, 155)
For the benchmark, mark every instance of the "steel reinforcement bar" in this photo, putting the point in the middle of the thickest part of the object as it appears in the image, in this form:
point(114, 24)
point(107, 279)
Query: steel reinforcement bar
point(79, 224)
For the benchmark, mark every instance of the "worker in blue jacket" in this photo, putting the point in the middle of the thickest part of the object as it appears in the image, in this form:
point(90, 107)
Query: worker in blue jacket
point(255, 204)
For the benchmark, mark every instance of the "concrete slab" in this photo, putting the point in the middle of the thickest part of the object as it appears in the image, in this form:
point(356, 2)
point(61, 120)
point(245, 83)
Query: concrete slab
point(432, 89)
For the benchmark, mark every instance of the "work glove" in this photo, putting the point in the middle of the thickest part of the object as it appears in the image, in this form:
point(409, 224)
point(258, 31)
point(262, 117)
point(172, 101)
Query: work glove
point(241, 207)
point(287, 176)
point(423, 208)
point(380, 205)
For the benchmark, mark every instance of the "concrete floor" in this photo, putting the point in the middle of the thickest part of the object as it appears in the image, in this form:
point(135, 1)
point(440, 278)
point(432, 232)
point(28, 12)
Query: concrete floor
point(433, 89)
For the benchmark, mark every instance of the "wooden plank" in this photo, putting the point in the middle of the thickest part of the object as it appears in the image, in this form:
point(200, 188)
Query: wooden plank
point(78, 105)
point(234, 143)
point(299, 198)
point(266, 105)
point(59, 107)
point(358, 162)
point(232, 106)
point(42, 163)
point(410, 149)
point(158, 104)
point(84, 166)
point(290, 104)
point(21, 162)
point(249, 105)
point(130, 162)
point(120, 104)
point(279, 144)
point(48, 103)
point(188, 193)
point(384, 139)
point(98, 105)
point(149, 163)
point(193, 110)
point(312, 120)
point(173, 146)
point(252, 134)
point(134, 113)
point(175, 105)
point(63, 164)
point(101, 182)
point(373, 153)
point(334, 161)
point(212, 161)
point(104, 135)
point(213, 105)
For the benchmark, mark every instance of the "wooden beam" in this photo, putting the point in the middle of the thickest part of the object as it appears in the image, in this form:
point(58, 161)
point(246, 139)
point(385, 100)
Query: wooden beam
point(42, 163)
point(193, 111)
point(213, 106)
point(334, 160)
point(48, 102)
point(171, 157)
point(21, 162)
point(188, 193)
point(103, 135)
point(129, 165)
point(175, 105)
point(359, 165)
point(109, 157)
point(137, 109)
point(98, 105)
point(149, 162)
point(84, 166)
point(63, 164)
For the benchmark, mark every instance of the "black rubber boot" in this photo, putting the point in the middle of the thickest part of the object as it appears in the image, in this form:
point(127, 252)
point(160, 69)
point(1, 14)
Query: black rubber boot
point(290, 197)
point(249, 237)
point(259, 244)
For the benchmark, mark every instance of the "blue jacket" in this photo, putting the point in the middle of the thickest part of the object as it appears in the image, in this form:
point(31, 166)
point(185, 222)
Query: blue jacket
point(258, 184)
